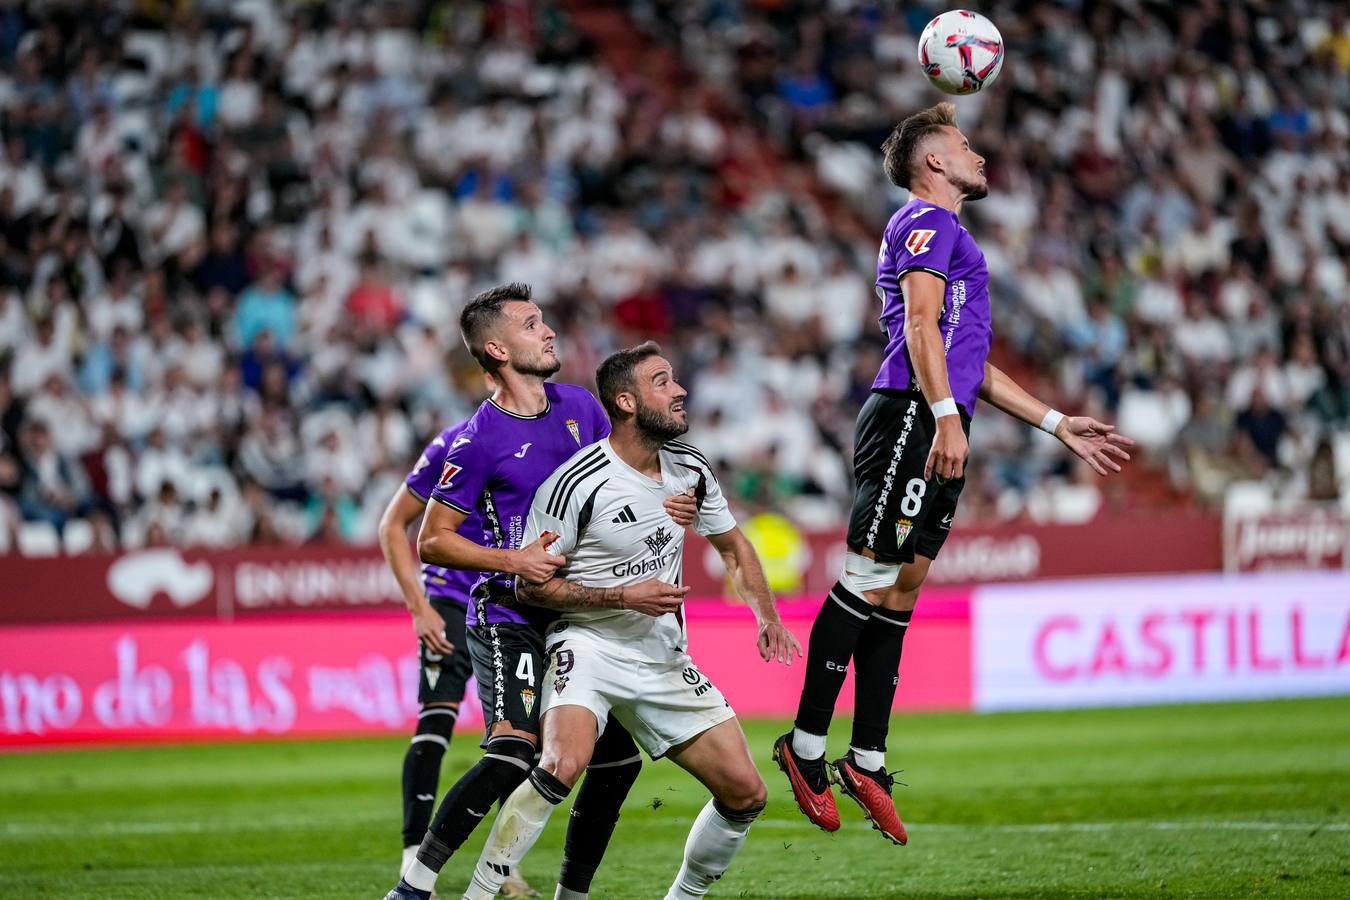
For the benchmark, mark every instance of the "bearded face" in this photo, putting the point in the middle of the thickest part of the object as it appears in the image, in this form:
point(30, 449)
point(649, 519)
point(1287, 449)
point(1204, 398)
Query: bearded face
point(660, 424)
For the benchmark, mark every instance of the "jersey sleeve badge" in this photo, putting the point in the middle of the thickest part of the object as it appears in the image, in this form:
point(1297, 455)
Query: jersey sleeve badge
point(448, 474)
point(917, 241)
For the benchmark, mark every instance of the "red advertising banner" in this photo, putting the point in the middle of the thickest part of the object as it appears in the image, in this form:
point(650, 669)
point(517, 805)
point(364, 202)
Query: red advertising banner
point(1309, 539)
point(330, 675)
point(169, 582)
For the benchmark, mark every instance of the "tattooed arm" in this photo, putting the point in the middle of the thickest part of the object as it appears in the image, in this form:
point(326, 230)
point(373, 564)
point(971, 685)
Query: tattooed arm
point(652, 598)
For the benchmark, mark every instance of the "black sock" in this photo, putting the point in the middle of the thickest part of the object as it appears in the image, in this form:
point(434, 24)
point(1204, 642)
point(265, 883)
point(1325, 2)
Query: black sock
point(833, 637)
point(422, 771)
point(876, 673)
point(591, 825)
point(505, 765)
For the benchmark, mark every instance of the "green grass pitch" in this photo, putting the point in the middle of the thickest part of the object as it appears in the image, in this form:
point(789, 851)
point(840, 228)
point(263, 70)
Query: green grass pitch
point(1241, 800)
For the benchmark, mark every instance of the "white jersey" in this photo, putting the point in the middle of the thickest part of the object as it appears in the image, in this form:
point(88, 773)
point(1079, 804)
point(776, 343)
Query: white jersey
point(614, 530)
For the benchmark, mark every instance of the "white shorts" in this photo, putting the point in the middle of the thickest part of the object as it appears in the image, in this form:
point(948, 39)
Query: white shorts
point(661, 703)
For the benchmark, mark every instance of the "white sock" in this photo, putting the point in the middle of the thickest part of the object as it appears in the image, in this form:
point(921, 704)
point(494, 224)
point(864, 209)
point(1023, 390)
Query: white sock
point(808, 745)
point(519, 823)
point(409, 854)
point(712, 844)
point(420, 877)
point(567, 894)
point(871, 760)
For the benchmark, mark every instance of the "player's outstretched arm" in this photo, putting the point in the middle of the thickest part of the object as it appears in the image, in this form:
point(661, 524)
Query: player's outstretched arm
point(651, 598)
point(1096, 443)
point(404, 508)
point(747, 576)
point(440, 543)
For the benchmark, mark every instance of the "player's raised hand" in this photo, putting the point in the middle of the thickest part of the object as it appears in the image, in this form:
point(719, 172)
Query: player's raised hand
point(1096, 443)
point(534, 562)
point(776, 642)
point(430, 628)
point(947, 459)
point(683, 508)
point(653, 597)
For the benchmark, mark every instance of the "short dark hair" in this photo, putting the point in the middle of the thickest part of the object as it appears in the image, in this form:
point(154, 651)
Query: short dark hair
point(615, 374)
point(483, 312)
point(898, 150)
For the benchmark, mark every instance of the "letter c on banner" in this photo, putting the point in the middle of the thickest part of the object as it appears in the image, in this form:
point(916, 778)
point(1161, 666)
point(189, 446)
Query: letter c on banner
point(1043, 662)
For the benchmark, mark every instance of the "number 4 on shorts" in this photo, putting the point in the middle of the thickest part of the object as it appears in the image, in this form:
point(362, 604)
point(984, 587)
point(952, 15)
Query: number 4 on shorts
point(525, 669)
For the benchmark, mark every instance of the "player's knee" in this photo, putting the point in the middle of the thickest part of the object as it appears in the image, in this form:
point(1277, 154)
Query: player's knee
point(435, 725)
point(511, 757)
point(868, 578)
point(566, 767)
point(745, 794)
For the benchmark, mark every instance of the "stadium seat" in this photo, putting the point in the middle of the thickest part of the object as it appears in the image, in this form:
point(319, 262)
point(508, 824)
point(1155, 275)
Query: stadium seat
point(78, 536)
point(39, 539)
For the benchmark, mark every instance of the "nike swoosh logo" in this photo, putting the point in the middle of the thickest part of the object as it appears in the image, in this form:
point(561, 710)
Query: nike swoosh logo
point(476, 815)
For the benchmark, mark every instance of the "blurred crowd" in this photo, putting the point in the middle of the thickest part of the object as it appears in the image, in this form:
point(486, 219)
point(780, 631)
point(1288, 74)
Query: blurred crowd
point(235, 239)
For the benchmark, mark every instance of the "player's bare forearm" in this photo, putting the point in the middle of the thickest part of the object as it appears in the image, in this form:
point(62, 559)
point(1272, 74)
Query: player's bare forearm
point(568, 596)
point(926, 351)
point(774, 641)
point(440, 544)
point(403, 509)
point(746, 572)
point(1000, 391)
point(1096, 443)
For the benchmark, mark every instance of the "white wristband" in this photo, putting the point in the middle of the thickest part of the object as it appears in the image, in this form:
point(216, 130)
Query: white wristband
point(1051, 421)
point(946, 407)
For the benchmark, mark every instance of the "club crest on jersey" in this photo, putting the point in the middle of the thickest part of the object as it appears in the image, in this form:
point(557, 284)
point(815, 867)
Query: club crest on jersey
point(448, 475)
point(576, 432)
point(527, 698)
point(918, 240)
point(902, 529)
point(559, 683)
point(656, 542)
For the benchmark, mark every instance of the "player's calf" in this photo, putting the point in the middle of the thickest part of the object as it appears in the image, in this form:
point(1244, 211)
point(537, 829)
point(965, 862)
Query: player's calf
point(595, 814)
point(519, 823)
point(422, 772)
point(506, 761)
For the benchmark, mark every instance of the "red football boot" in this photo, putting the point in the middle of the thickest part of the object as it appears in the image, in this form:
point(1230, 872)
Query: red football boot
point(872, 791)
point(810, 784)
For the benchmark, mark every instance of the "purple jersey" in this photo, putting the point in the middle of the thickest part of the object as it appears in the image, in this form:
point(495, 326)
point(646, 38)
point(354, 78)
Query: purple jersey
point(438, 581)
point(926, 238)
point(494, 466)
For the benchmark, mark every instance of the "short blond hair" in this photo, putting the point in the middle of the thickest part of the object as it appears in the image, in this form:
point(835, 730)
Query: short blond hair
point(898, 150)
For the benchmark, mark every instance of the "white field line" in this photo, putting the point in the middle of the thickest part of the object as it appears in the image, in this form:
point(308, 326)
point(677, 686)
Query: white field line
point(85, 826)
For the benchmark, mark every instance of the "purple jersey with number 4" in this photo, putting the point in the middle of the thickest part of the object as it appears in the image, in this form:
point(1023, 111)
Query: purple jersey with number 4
point(438, 581)
point(494, 466)
point(923, 237)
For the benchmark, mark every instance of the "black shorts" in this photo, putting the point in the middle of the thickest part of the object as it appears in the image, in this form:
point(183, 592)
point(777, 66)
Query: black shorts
point(443, 678)
point(508, 663)
point(896, 513)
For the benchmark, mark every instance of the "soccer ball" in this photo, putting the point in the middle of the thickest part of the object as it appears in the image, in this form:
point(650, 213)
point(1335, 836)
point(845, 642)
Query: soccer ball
point(961, 52)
